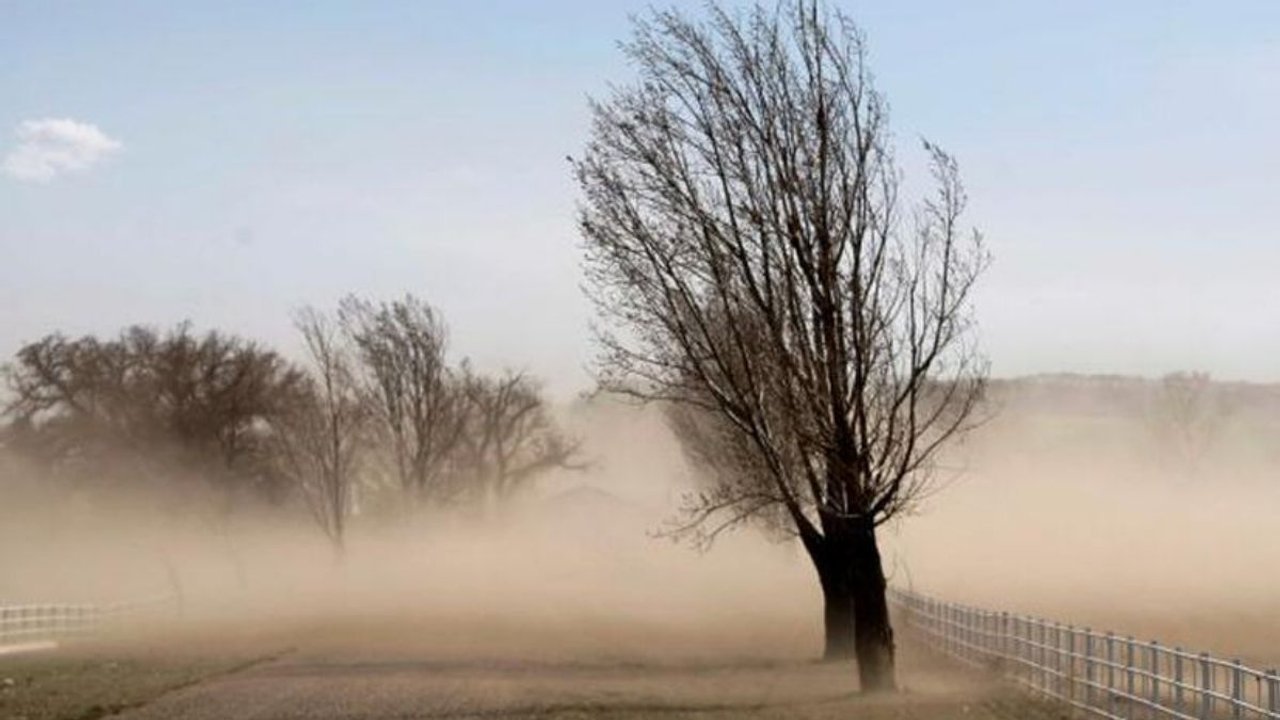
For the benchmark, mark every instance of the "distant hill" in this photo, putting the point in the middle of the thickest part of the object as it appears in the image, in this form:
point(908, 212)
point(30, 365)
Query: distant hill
point(1117, 395)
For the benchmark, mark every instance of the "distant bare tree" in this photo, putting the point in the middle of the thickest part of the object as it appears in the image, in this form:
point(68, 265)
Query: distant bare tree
point(744, 239)
point(319, 438)
point(511, 438)
point(401, 347)
point(1185, 414)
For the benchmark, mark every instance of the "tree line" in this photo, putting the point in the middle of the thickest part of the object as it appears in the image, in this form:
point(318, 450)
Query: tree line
point(374, 406)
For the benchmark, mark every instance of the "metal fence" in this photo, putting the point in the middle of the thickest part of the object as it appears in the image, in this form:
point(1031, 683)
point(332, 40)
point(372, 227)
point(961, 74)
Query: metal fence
point(58, 621)
point(1097, 672)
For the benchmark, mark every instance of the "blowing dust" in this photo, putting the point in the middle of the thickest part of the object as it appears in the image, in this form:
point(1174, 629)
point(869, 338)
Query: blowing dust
point(575, 569)
point(1103, 502)
point(1060, 505)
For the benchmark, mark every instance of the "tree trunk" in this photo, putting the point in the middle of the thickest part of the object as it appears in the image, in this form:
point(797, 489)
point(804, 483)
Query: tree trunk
point(837, 612)
point(872, 632)
point(836, 578)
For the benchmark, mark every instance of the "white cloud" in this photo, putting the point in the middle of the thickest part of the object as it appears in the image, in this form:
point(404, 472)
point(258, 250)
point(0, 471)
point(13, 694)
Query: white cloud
point(51, 147)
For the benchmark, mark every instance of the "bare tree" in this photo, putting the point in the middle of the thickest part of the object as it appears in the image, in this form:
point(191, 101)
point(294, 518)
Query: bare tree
point(154, 406)
point(511, 437)
point(319, 439)
point(1185, 413)
point(401, 347)
point(745, 243)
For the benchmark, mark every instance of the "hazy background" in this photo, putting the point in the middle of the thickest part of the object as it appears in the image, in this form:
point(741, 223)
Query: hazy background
point(1120, 157)
point(1070, 504)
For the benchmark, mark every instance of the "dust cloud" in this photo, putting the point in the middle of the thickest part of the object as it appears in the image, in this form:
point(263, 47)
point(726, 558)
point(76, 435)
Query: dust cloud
point(1065, 504)
point(1076, 503)
point(574, 570)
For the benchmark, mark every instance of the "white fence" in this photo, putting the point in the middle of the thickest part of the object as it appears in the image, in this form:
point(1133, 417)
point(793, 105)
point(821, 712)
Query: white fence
point(42, 622)
point(1100, 673)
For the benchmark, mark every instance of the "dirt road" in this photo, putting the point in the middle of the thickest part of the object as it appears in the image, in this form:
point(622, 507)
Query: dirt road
point(307, 686)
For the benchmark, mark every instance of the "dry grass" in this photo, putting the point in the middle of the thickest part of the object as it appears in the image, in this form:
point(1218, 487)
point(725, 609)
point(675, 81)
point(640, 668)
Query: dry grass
point(334, 675)
point(92, 681)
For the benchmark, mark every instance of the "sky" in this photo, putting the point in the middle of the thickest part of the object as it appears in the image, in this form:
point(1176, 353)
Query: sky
point(226, 163)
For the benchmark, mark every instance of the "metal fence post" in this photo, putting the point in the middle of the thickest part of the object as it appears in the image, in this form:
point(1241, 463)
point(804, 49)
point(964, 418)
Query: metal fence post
point(967, 628)
point(1111, 672)
point(971, 633)
point(953, 630)
point(944, 630)
point(939, 627)
point(975, 621)
point(1237, 689)
point(958, 630)
point(1040, 654)
point(1071, 662)
point(997, 640)
point(979, 617)
point(1088, 667)
point(944, 624)
point(1206, 687)
point(1154, 679)
point(1046, 663)
point(1057, 659)
point(1032, 652)
point(1129, 668)
point(1177, 680)
point(1045, 658)
point(992, 639)
point(944, 619)
point(950, 628)
point(1026, 650)
point(984, 637)
point(1273, 692)
point(1004, 638)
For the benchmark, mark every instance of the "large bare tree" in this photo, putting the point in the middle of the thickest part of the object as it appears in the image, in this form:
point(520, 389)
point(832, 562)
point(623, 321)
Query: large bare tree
point(417, 401)
point(753, 265)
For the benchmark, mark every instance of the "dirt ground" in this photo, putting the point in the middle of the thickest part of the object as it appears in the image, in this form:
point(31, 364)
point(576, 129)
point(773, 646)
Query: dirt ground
point(333, 675)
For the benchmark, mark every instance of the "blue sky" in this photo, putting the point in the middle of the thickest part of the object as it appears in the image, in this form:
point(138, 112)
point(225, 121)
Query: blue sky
point(1121, 159)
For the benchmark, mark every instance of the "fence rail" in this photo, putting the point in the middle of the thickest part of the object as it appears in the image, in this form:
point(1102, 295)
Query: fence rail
point(1100, 673)
point(59, 621)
